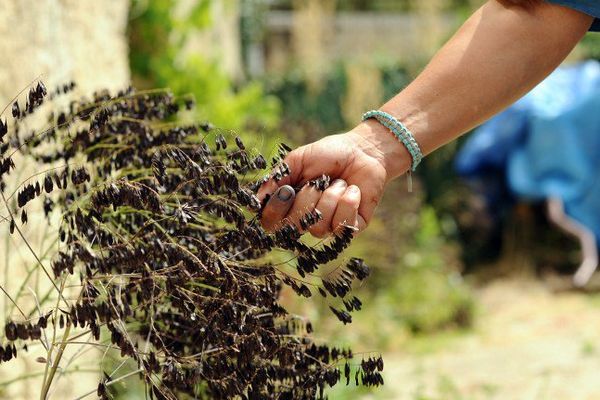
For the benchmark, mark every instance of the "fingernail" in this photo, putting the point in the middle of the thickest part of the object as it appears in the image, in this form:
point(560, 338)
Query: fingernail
point(339, 182)
point(353, 189)
point(285, 193)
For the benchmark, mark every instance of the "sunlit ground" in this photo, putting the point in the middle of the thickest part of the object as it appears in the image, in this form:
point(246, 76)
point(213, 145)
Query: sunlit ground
point(527, 343)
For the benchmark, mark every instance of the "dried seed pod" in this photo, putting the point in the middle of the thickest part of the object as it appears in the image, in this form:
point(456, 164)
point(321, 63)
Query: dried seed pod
point(359, 268)
point(23, 331)
point(16, 112)
point(3, 129)
point(48, 185)
point(379, 364)
point(239, 143)
point(342, 315)
point(10, 330)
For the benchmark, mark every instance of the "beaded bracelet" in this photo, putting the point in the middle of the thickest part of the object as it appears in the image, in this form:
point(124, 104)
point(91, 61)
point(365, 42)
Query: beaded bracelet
point(403, 134)
point(400, 131)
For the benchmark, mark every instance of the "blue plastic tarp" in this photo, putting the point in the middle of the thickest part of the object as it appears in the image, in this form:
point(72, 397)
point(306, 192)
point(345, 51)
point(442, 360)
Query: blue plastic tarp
point(545, 145)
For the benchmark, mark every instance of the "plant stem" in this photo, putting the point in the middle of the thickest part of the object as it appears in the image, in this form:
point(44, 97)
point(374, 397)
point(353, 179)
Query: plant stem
point(61, 350)
point(137, 371)
point(6, 260)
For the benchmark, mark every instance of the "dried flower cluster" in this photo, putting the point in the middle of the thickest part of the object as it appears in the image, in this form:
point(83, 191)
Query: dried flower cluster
point(163, 231)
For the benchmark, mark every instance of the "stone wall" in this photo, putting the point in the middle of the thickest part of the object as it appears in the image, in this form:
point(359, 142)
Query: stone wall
point(63, 40)
point(407, 38)
point(56, 41)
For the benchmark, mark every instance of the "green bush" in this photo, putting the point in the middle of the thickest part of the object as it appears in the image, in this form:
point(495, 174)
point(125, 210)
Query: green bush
point(156, 37)
point(426, 295)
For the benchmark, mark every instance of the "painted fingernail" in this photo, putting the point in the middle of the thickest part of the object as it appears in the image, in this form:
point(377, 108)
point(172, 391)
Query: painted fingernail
point(285, 193)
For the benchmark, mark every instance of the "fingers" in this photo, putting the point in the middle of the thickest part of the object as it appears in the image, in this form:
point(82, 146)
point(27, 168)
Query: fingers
point(352, 206)
point(346, 212)
point(305, 202)
point(295, 160)
point(327, 205)
point(371, 191)
point(338, 204)
point(278, 207)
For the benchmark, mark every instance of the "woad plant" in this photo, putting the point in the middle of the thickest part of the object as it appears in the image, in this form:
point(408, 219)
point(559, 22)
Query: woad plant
point(160, 253)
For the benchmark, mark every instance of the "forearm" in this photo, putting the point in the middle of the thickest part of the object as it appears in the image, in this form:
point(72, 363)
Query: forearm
point(496, 57)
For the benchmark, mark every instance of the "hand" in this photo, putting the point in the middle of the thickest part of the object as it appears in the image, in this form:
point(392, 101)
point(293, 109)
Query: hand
point(359, 162)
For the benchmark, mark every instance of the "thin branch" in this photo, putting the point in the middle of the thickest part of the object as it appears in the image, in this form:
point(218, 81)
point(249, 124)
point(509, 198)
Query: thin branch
point(12, 301)
point(61, 350)
point(112, 382)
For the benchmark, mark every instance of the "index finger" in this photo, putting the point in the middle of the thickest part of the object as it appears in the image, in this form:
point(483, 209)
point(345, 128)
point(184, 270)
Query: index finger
point(267, 188)
point(294, 162)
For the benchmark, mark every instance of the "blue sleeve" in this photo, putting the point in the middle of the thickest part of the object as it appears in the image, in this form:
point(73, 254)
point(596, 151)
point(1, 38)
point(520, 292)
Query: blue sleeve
point(590, 7)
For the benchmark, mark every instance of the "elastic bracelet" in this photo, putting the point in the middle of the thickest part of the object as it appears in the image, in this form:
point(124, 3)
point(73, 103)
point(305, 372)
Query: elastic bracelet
point(400, 131)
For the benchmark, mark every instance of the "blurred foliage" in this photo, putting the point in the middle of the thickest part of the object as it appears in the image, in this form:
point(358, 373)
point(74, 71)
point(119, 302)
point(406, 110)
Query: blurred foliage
point(591, 46)
point(375, 5)
point(429, 296)
point(415, 299)
point(157, 35)
point(417, 285)
point(308, 115)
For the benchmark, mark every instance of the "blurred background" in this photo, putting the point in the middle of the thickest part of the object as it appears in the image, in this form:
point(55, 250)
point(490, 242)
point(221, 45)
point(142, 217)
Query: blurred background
point(472, 293)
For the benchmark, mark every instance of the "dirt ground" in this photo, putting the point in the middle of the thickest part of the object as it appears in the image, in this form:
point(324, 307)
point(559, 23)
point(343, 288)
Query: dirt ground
point(529, 343)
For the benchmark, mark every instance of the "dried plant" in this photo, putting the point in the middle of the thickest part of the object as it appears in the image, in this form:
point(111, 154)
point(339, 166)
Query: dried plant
point(160, 232)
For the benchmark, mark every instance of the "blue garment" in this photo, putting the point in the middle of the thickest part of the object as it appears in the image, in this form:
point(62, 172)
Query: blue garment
point(545, 145)
point(590, 7)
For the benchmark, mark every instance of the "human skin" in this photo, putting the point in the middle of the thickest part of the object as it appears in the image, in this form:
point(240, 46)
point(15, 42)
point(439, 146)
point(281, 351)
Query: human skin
point(500, 53)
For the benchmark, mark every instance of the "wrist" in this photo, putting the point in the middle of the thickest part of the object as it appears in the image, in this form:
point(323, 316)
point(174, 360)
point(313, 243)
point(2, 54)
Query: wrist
point(380, 143)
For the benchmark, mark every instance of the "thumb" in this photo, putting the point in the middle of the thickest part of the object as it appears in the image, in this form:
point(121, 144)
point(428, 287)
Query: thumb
point(294, 160)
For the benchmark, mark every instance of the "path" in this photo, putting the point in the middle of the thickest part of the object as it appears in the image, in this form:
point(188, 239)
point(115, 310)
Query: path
point(528, 344)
